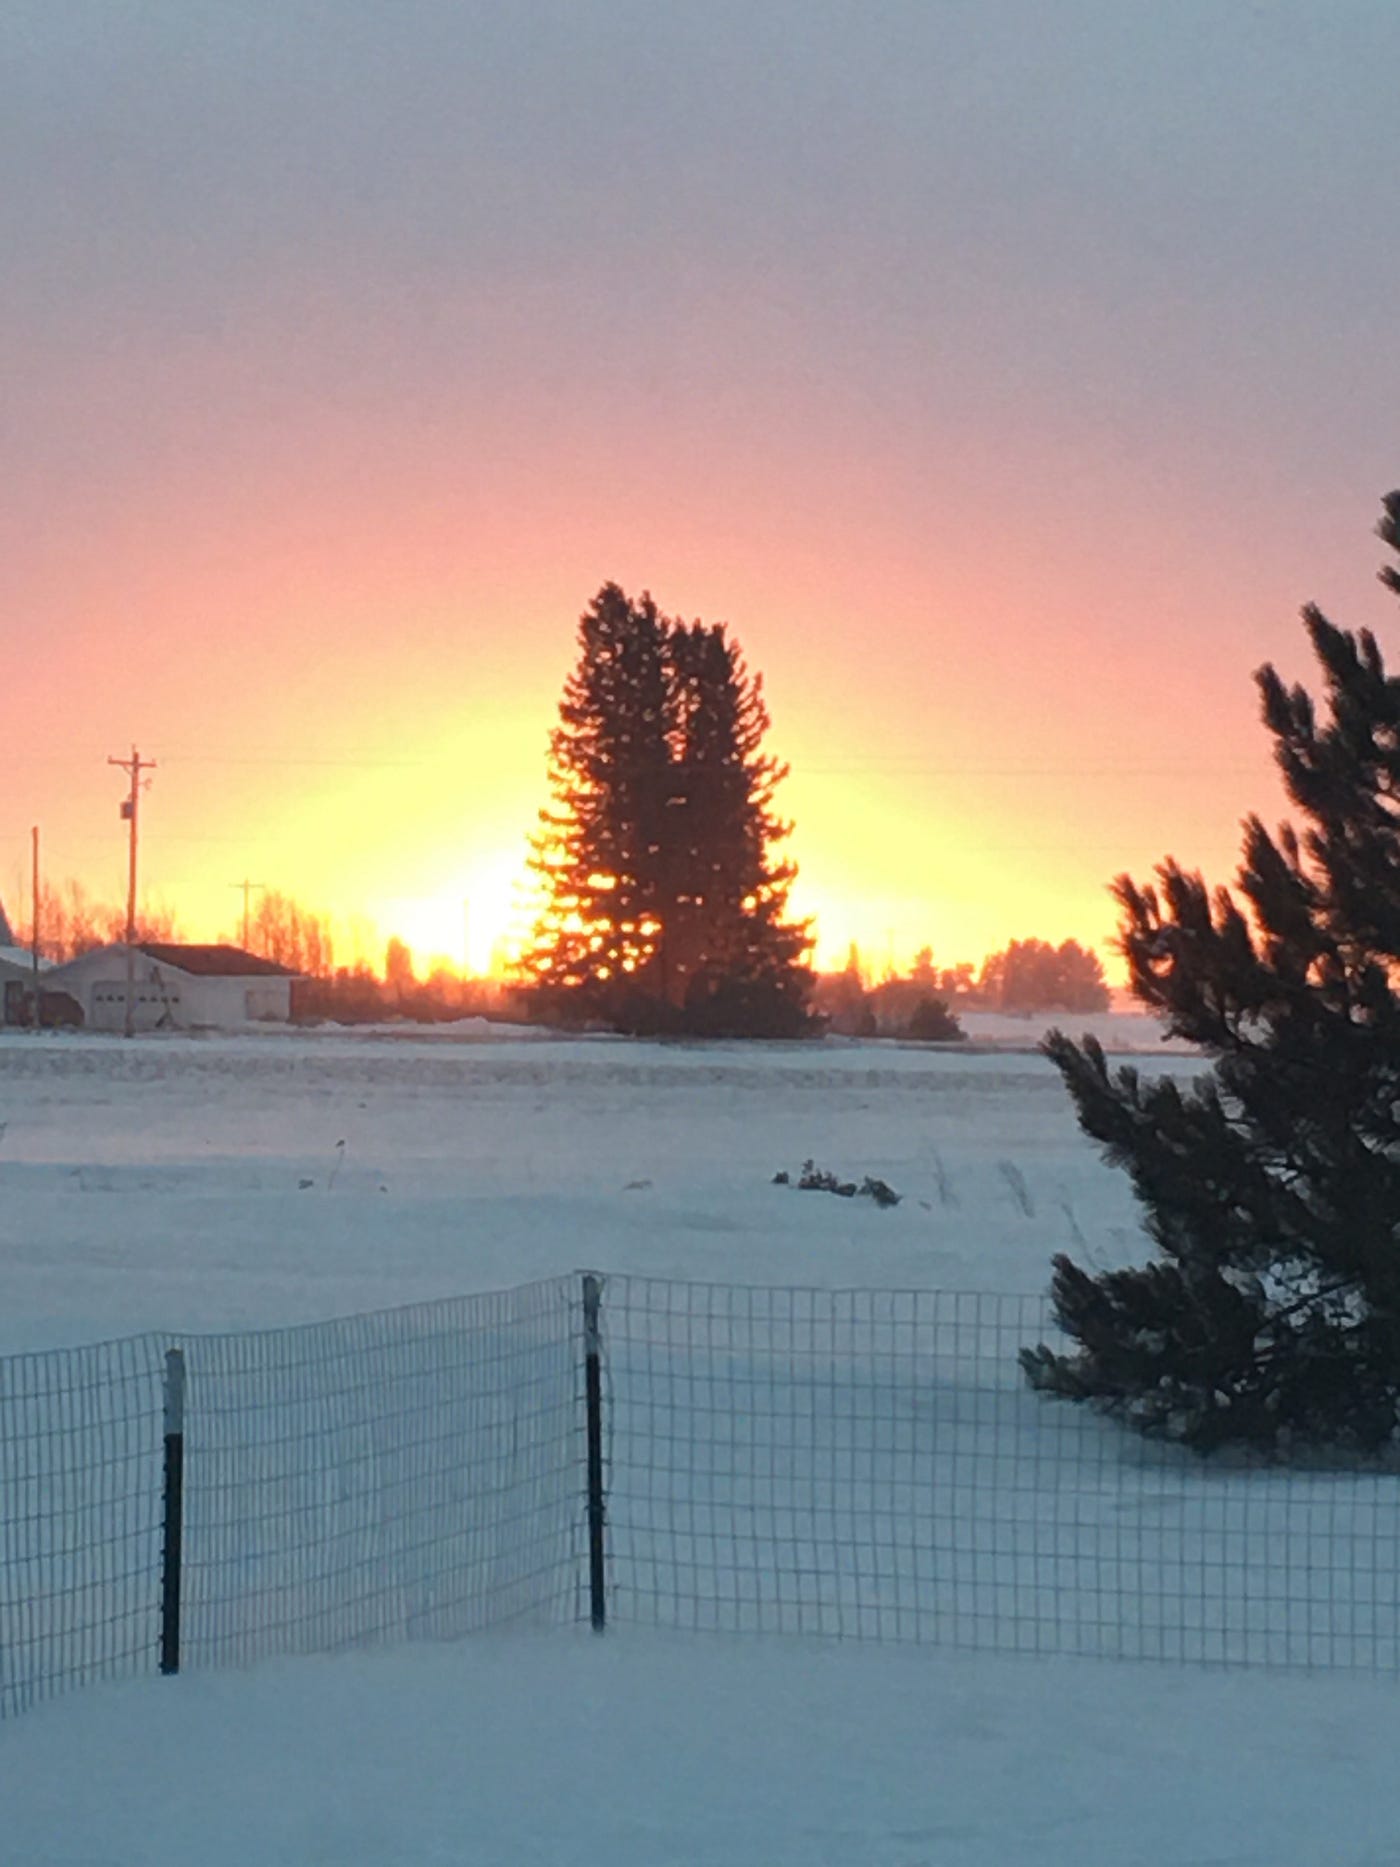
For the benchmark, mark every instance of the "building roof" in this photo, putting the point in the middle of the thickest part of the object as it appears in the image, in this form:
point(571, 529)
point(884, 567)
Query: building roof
point(226, 962)
point(15, 963)
point(7, 938)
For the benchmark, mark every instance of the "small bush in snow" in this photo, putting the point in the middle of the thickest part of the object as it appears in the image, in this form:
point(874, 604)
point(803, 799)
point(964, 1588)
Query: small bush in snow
point(814, 1179)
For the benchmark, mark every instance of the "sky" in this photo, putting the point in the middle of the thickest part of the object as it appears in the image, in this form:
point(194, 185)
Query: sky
point(1005, 375)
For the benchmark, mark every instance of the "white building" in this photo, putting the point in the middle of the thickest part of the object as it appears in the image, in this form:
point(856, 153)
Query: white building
point(175, 987)
point(16, 977)
point(17, 984)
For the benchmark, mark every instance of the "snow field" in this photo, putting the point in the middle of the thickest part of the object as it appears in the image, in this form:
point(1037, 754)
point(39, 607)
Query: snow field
point(563, 1750)
point(159, 1185)
point(179, 1184)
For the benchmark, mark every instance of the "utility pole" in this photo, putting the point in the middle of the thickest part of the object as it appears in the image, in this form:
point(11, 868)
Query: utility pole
point(133, 767)
point(247, 888)
point(34, 935)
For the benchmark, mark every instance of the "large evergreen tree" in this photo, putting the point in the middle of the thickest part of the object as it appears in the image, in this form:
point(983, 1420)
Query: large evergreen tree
point(665, 907)
point(597, 853)
point(736, 963)
point(1271, 1184)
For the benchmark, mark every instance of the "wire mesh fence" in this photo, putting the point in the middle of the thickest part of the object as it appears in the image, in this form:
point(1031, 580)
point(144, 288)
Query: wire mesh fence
point(861, 1464)
point(80, 1517)
point(870, 1464)
point(409, 1474)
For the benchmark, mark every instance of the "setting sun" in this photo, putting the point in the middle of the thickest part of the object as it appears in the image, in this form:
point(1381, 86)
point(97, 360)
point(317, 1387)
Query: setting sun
point(474, 926)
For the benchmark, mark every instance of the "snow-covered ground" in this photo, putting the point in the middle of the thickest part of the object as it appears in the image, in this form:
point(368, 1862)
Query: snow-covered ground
point(208, 1184)
point(567, 1751)
point(190, 1183)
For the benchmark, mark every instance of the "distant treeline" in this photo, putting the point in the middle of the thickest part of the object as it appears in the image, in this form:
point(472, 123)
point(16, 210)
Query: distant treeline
point(71, 922)
point(1023, 977)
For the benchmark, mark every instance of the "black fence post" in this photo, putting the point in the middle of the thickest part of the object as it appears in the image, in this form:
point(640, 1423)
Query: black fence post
point(593, 1406)
point(174, 1510)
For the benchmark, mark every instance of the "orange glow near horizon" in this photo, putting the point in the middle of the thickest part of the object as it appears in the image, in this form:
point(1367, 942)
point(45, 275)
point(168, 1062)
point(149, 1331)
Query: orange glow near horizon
point(387, 764)
point(347, 664)
point(431, 847)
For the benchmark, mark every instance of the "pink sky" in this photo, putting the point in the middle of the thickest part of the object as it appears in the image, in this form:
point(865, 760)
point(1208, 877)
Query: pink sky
point(1006, 377)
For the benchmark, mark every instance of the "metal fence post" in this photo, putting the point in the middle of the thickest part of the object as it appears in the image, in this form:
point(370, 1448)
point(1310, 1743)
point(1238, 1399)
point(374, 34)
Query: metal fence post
point(593, 1407)
point(174, 1510)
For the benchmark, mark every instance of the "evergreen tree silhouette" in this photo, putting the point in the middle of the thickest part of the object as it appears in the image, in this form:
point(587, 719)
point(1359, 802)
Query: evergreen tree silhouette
point(596, 941)
point(739, 962)
point(664, 906)
point(1271, 1185)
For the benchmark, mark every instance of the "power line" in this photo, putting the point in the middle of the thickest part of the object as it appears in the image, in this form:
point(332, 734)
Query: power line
point(889, 768)
point(895, 767)
point(279, 759)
